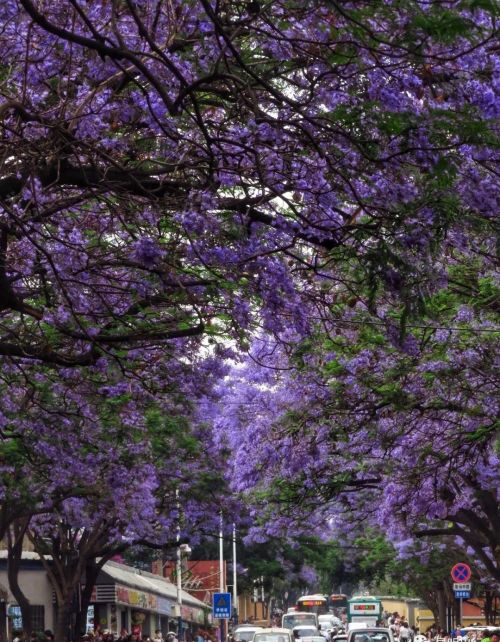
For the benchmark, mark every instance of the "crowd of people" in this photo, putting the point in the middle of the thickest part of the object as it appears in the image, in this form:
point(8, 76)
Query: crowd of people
point(403, 632)
point(400, 628)
point(437, 634)
point(125, 636)
point(105, 635)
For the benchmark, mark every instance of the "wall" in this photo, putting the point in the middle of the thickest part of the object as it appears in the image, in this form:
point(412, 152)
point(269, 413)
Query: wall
point(250, 611)
point(37, 589)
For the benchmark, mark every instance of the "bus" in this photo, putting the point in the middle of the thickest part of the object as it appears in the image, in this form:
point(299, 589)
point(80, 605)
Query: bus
point(313, 604)
point(338, 601)
point(364, 609)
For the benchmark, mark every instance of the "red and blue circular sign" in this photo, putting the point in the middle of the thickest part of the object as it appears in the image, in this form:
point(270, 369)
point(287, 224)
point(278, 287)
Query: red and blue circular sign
point(461, 573)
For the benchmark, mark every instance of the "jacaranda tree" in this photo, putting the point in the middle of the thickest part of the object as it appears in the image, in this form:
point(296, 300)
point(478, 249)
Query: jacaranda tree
point(174, 168)
point(372, 422)
point(177, 176)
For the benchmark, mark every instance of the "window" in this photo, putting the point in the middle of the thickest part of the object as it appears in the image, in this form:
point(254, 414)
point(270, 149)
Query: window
point(37, 615)
point(17, 620)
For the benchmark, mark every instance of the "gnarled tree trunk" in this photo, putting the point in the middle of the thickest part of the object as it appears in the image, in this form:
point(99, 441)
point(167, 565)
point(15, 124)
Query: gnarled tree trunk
point(15, 538)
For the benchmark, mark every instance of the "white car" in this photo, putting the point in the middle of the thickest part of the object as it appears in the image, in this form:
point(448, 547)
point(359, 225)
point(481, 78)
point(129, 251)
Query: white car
point(306, 631)
point(245, 633)
point(273, 634)
point(370, 634)
point(329, 621)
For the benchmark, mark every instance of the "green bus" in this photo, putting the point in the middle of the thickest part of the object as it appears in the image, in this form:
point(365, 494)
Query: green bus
point(364, 608)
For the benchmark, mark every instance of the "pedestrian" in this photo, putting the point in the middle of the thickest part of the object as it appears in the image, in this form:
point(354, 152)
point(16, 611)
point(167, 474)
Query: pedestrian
point(158, 636)
point(404, 632)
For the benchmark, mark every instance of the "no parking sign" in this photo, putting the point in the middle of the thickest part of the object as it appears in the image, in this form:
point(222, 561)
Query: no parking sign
point(461, 573)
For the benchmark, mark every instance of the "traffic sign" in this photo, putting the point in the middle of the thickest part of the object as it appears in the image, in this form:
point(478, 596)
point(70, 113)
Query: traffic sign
point(461, 573)
point(462, 586)
point(462, 595)
point(221, 606)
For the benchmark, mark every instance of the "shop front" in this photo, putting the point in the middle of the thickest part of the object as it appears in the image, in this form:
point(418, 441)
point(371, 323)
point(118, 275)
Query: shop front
point(140, 602)
point(141, 612)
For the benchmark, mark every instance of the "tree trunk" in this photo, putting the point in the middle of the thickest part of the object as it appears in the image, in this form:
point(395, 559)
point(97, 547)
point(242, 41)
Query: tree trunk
point(92, 570)
point(3, 617)
point(431, 598)
point(62, 624)
point(15, 537)
point(441, 608)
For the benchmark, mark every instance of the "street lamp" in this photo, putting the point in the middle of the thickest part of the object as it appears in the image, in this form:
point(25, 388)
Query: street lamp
point(183, 550)
point(235, 580)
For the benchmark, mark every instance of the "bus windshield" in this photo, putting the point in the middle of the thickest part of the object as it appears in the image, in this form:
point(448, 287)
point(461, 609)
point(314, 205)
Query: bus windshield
point(291, 620)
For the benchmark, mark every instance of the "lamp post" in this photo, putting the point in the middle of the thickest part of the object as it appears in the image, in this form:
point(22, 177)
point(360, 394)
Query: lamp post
point(235, 580)
point(183, 550)
point(221, 573)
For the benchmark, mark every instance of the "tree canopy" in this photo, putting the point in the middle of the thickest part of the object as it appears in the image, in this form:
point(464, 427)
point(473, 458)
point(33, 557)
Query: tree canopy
point(308, 188)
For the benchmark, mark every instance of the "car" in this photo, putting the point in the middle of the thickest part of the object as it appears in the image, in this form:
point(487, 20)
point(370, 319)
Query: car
point(355, 626)
point(341, 637)
point(299, 618)
point(370, 634)
point(245, 632)
point(307, 631)
point(273, 634)
point(313, 638)
point(329, 625)
point(329, 621)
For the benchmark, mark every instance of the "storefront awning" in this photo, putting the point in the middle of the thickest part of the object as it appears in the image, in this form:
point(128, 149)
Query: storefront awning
point(147, 591)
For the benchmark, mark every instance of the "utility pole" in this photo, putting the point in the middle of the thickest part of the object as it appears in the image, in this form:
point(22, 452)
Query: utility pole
point(235, 579)
point(221, 574)
point(179, 571)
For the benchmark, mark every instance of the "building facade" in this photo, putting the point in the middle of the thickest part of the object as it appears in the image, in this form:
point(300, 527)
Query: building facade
point(123, 598)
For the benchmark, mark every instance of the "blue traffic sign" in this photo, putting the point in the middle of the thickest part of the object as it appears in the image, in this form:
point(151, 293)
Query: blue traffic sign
point(462, 595)
point(221, 606)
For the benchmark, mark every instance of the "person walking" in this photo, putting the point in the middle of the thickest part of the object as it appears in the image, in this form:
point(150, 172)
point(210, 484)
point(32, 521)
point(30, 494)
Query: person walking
point(404, 632)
